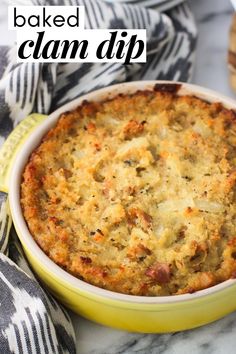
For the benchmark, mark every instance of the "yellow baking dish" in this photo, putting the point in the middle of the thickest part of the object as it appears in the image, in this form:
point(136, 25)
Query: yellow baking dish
point(132, 313)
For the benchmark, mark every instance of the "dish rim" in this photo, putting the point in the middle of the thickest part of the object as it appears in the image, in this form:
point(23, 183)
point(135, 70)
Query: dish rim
point(27, 239)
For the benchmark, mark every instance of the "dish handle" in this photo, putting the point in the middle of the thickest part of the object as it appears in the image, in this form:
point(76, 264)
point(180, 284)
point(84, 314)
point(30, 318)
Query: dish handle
point(13, 143)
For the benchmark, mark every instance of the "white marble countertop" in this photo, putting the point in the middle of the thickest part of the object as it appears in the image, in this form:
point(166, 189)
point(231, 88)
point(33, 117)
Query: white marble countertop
point(213, 18)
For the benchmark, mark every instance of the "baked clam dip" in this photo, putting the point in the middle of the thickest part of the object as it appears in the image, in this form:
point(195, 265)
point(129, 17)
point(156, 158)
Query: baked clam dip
point(136, 194)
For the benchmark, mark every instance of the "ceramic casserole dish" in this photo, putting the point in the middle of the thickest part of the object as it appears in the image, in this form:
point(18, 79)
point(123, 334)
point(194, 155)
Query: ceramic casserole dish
point(133, 313)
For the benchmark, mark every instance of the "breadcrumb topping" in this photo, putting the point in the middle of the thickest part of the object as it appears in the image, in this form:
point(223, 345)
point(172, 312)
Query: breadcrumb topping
point(137, 194)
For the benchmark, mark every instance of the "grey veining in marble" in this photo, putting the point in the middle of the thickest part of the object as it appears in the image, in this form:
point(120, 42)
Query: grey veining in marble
point(213, 18)
point(216, 338)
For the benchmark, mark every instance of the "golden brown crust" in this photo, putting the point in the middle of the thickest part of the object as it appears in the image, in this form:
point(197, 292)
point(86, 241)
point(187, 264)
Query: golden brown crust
point(137, 194)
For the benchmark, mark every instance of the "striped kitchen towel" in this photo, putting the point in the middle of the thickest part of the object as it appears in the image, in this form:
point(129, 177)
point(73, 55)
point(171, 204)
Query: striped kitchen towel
point(31, 321)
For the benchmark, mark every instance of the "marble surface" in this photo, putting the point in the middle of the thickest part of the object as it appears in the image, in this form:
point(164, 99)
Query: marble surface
point(213, 18)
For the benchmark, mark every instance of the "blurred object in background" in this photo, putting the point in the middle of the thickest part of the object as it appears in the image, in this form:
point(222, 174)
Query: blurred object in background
point(232, 53)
